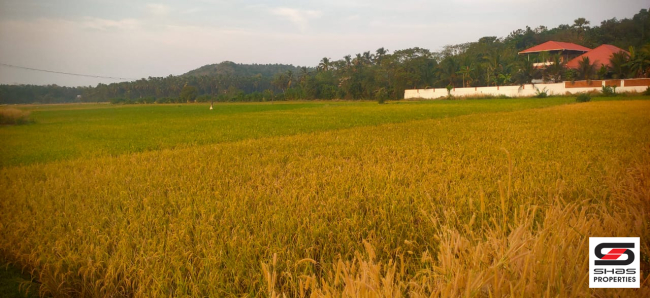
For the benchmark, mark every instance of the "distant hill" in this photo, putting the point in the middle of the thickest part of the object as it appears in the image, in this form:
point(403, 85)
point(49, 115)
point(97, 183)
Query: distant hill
point(242, 70)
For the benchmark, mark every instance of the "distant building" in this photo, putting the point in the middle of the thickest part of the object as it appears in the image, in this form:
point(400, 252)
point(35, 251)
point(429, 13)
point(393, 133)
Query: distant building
point(566, 50)
point(598, 57)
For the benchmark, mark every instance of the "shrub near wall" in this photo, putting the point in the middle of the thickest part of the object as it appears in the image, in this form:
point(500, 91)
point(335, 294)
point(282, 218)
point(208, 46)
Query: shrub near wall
point(583, 97)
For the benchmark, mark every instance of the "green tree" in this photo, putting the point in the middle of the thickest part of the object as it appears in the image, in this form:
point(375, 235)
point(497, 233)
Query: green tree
point(639, 62)
point(188, 93)
point(281, 81)
point(586, 69)
point(324, 64)
point(448, 70)
point(379, 55)
point(555, 69)
point(527, 72)
point(466, 72)
point(618, 65)
point(581, 25)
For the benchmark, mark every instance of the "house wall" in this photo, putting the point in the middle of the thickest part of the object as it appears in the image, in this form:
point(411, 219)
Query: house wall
point(631, 85)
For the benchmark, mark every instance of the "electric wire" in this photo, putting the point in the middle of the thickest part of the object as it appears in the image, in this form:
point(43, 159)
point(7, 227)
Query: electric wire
point(65, 73)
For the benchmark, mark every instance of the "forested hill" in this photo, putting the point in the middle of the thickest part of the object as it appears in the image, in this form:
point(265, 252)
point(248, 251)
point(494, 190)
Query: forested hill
point(228, 68)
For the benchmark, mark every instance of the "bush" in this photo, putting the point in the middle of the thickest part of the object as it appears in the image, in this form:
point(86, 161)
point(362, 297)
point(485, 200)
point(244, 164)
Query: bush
point(609, 90)
point(583, 97)
point(118, 100)
point(147, 100)
point(205, 98)
point(541, 94)
point(381, 95)
point(647, 91)
point(14, 116)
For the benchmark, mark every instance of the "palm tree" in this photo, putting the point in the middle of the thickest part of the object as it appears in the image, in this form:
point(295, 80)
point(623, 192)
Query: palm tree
point(505, 78)
point(379, 55)
point(466, 71)
point(586, 69)
point(448, 69)
point(527, 72)
point(324, 64)
point(280, 81)
point(543, 57)
point(581, 24)
point(358, 60)
point(348, 61)
point(618, 65)
point(367, 57)
point(289, 78)
point(555, 69)
point(493, 65)
point(304, 72)
point(639, 62)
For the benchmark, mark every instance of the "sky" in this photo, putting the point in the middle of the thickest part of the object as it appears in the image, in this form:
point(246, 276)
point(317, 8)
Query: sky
point(138, 39)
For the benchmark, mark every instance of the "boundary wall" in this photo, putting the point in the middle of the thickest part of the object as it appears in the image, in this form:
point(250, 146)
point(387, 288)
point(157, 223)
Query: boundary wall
point(629, 85)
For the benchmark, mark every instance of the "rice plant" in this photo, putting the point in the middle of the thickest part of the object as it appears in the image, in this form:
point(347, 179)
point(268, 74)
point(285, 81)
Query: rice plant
point(487, 205)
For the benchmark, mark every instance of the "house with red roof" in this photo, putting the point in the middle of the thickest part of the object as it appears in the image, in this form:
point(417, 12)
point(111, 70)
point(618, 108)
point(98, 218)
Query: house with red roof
point(598, 57)
point(566, 50)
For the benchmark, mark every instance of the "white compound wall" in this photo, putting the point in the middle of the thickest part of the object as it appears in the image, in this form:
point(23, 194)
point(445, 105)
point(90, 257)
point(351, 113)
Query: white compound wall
point(634, 85)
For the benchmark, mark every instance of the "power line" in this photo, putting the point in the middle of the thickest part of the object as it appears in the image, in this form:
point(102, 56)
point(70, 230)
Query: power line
point(65, 73)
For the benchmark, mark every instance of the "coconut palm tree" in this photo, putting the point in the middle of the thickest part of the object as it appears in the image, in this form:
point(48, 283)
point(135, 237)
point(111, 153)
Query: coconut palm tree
point(448, 70)
point(348, 61)
point(618, 65)
point(581, 25)
point(304, 72)
point(527, 72)
point(379, 55)
point(493, 65)
point(466, 71)
point(586, 69)
point(543, 57)
point(325, 64)
point(289, 78)
point(367, 58)
point(639, 62)
point(555, 69)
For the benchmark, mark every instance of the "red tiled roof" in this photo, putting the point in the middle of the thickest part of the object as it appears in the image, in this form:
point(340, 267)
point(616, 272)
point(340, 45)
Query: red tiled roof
point(555, 46)
point(597, 56)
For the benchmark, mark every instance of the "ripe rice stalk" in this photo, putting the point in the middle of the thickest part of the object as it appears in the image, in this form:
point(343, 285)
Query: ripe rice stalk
point(376, 210)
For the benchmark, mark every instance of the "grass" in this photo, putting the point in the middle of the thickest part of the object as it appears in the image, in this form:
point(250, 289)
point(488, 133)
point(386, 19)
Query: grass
point(14, 284)
point(463, 198)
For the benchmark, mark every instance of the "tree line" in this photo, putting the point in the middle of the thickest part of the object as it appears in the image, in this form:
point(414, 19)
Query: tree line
point(379, 74)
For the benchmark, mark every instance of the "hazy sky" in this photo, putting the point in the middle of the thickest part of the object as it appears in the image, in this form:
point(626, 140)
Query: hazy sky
point(135, 39)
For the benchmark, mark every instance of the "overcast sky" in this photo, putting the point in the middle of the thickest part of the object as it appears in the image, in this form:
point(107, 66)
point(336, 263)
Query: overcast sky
point(135, 39)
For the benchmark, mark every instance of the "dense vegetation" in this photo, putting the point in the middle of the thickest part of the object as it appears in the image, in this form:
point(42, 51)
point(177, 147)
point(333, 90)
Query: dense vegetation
point(410, 199)
point(228, 68)
point(379, 74)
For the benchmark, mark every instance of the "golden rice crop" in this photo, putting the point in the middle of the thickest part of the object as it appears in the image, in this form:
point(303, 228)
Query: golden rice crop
point(478, 206)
